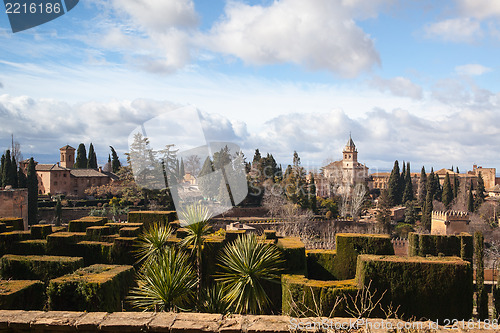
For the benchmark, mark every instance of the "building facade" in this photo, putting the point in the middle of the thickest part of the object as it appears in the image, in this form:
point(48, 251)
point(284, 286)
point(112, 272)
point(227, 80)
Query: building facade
point(449, 222)
point(14, 203)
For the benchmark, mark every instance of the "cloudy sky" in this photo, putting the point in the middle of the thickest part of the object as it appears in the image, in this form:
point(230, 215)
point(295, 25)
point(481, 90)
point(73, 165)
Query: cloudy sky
point(411, 80)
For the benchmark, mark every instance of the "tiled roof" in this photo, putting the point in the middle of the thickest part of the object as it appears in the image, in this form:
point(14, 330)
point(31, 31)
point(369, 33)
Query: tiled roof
point(67, 147)
point(495, 189)
point(87, 173)
point(49, 167)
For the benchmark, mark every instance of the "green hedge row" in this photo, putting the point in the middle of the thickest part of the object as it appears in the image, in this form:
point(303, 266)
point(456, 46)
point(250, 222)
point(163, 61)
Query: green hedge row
point(313, 298)
point(150, 217)
point(349, 246)
point(17, 223)
point(320, 264)
point(82, 224)
point(94, 288)
point(294, 253)
point(448, 245)
point(22, 295)
point(40, 231)
point(433, 288)
point(43, 268)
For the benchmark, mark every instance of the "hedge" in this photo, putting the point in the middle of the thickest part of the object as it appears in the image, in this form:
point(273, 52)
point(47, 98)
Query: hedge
point(448, 245)
point(9, 240)
point(17, 223)
point(82, 224)
point(116, 226)
point(123, 251)
point(94, 252)
point(94, 288)
point(294, 253)
point(96, 233)
point(63, 243)
point(314, 298)
point(152, 217)
point(30, 247)
point(40, 231)
point(435, 288)
point(3, 227)
point(231, 235)
point(320, 264)
point(496, 298)
point(37, 267)
point(130, 231)
point(349, 246)
point(22, 295)
point(212, 247)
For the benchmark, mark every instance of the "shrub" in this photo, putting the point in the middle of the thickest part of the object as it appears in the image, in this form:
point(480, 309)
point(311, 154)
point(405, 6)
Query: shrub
point(150, 217)
point(435, 288)
point(94, 288)
point(82, 224)
point(449, 245)
point(40, 231)
point(94, 252)
point(62, 243)
point(31, 247)
point(294, 253)
point(37, 267)
point(97, 232)
point(22, 295)
point(130, 232)
point(10, 239)
point(123, 249)
point(17, 223)
point(320, 264)
point(314, 298)
point(349, 246)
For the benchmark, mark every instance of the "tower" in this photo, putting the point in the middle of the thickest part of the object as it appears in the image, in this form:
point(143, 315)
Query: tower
point(67, 156)
point(350, 154)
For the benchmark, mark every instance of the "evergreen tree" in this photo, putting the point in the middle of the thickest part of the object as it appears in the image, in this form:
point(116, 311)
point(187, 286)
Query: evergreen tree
point(456, 185)
point(115, 161)
point(92, 160)
point(447, 196)
point(393, 186)
point(81, 157)
point(7, 177)
point(58, 211)
point(256, 158)
point(479, 192)
point(427, 211)
point(422, 187)
point(21, 179)
point(383, 216)
point(182, 171)
point(481, 294)
point(206, 184)
point(431, 184)
point(109, 162)
point(2, 167)
point(438, 190)
point(470, 200)
point(408, 189)
point(312, 195)
point(32, 183)
point(410, 213)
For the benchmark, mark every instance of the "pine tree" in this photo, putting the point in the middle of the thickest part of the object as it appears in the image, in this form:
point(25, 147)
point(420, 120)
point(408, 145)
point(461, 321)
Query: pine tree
point(312, 195)
point(393, 187)
point(408, 189)
point(81, 157)
point(32, 183)
point(427, 211)
point(447, 196)
point(115, 161)
point(479, 192)
point(470, 200)
point(92, 160)
point(256, 158)
point(481, 294)
point(422, 187)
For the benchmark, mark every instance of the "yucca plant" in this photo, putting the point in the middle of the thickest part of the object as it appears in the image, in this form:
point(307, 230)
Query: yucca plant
point(246, 264)
point(195, 219)
point(153, 242)
point(166, 283)
point(213, 300)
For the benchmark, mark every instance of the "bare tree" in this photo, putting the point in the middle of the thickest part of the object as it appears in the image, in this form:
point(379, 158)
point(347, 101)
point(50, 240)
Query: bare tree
point(192, 165)
point(357, 199)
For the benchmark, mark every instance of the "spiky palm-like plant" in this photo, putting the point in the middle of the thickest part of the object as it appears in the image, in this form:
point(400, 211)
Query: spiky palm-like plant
point(247, 264)
point(213, 300)
point(153, 242)
point(195, 219)
point(166, 283)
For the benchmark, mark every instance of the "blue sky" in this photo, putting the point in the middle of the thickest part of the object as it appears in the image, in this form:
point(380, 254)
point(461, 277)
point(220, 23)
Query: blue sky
point(411, 80)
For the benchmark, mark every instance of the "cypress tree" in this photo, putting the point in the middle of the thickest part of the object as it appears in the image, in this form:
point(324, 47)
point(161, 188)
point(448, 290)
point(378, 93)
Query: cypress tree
point(447, 192)
point(92, 160)
point(312, 195)
point(58, 211)
point(2, 167)
point(115, 161)
point(481, 294)
point(7, 178)
point(81, 157)
point(479, 192)
point(182, 173)
point(470, 200)
point(13, 165)
point(393, 187)
point(456, 185)
point(383, 215)
point(32, 183)
point(427, 212)
point(408, 189)
point(21, 179)
point(438, 191)
point(206, 184)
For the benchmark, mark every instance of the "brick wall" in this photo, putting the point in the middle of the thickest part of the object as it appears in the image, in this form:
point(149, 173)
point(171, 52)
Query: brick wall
point(14, 203)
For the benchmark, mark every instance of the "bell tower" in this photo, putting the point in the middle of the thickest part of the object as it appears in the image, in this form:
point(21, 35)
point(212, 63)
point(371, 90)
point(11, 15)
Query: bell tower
point(67, 156)
point(350, 157)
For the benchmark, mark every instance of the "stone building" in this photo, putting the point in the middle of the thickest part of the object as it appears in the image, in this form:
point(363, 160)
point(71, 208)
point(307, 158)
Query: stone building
point(449, 222)
point(14, 203)
point(61, 178)
point(342, 174)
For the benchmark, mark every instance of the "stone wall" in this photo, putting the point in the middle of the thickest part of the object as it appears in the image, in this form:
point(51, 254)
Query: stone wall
point(66, 321)
point(14, 203)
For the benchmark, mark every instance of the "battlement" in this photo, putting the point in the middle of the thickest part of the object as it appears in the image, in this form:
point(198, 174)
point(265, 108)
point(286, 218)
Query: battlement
point(449, 222)
point(450, 215)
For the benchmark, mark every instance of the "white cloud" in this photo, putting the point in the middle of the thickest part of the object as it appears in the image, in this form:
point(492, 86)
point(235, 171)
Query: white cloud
point(455, 30)
point(479, 9)
point(472, 69)
point(398, 86)
point(317, 34)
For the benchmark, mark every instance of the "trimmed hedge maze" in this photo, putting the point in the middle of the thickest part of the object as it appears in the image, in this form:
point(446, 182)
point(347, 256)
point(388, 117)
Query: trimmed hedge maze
point(445, 245)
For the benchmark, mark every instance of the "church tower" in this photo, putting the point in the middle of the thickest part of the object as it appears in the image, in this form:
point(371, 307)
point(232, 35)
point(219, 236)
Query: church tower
point(67, 156)
point(350, 159)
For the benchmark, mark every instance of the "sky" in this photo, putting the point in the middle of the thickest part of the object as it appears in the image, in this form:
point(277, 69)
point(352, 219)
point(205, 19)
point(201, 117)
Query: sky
point(410, 80)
